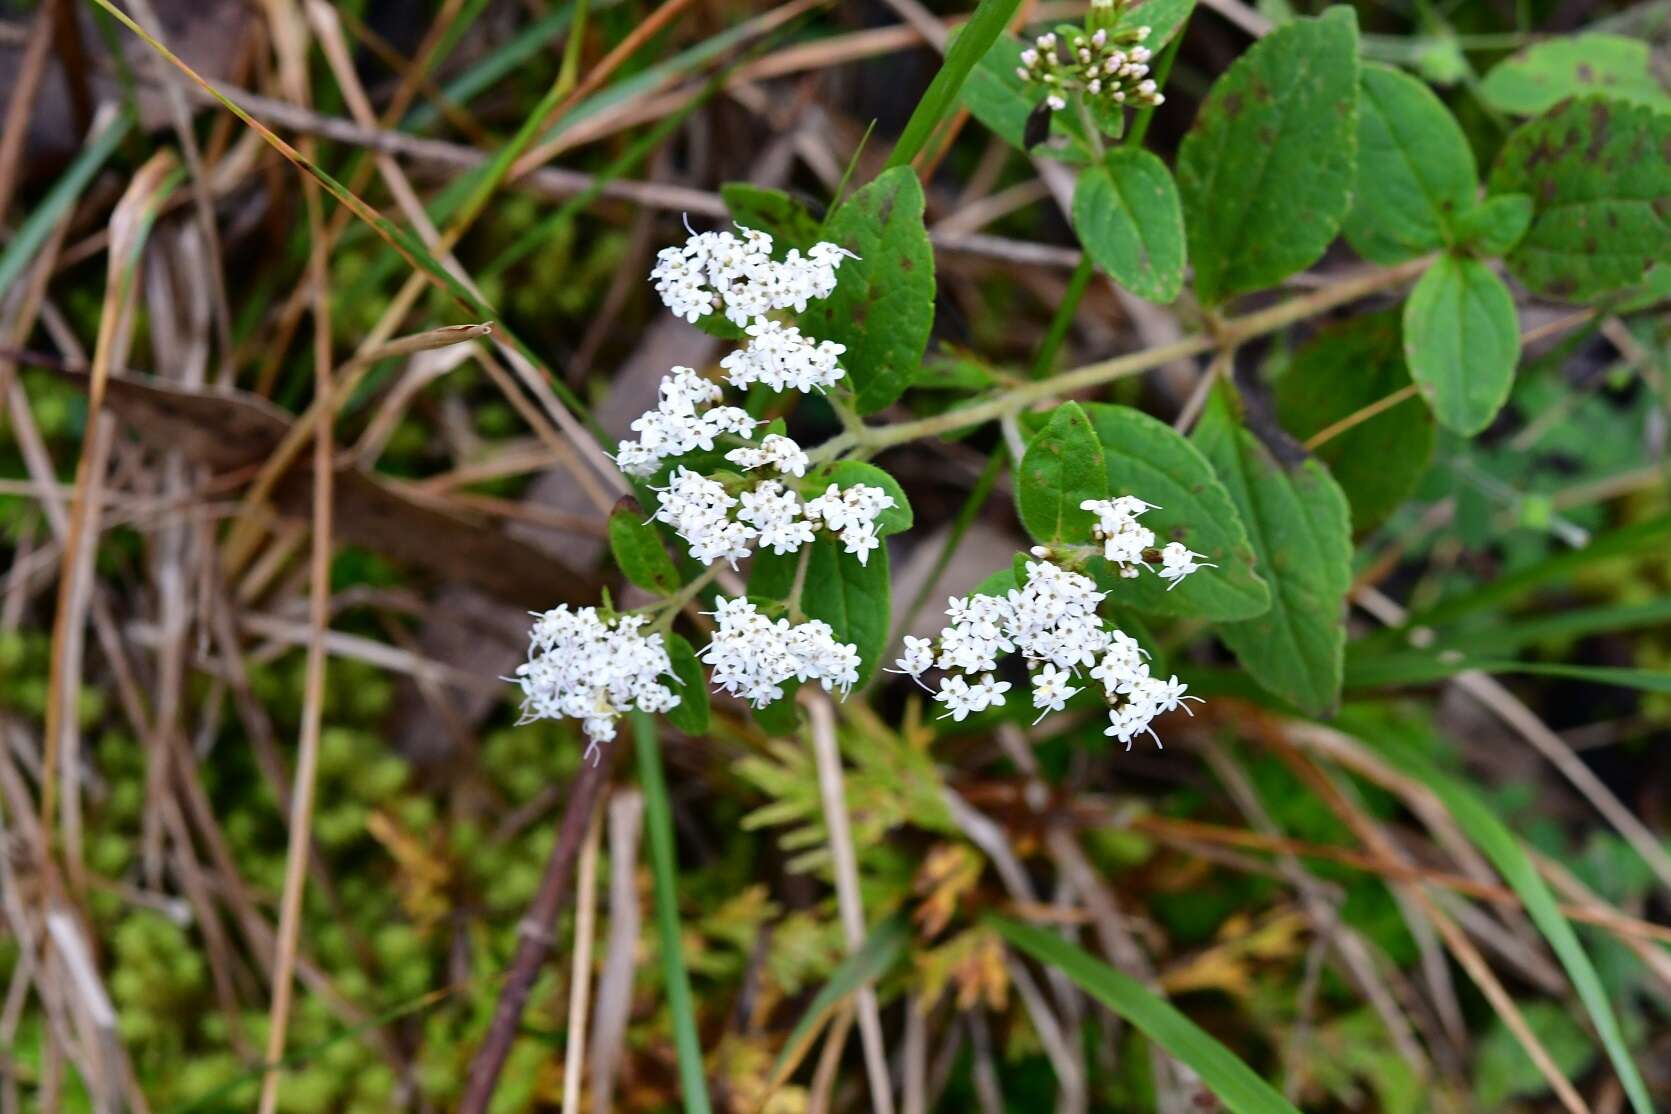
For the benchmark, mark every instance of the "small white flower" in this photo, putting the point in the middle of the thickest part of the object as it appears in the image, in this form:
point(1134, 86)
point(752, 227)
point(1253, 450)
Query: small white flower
point(954, 694)
point(1051, 690)
point(1178, 561)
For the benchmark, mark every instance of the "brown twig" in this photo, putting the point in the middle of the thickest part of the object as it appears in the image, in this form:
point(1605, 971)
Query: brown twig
point(534, 935)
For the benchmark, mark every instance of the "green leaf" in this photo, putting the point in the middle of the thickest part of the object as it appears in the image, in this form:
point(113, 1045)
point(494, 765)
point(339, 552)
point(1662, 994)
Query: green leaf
point(851, 597)
point(1300, 526)
point(1462, 341)
point(1503, 1070)
point(984, 28)
point(1416, 171)
point(1266, 172)
point(1340, 372)
point(658, 826)
point(771, 210)
point(1543, 75)
point(875, 958)
point(845, 473)
point(997, 97)
point(638, 550)
point(1126, 213)
point(1495, 225)
point(1148, 459)
point(999, 583)
point(690, 715)
point(1596, 173)
point(1063, 467)
point(1504, 850)
point(20, 251)
point(1235, 1084)
point(883, 307)
point(1163, 18)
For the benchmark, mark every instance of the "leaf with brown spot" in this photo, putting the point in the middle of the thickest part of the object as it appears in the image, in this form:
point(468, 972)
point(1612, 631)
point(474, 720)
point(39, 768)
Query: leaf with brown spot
point(1594, 229)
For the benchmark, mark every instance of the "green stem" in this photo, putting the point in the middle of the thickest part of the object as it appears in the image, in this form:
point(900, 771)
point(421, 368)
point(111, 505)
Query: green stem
point(960, 526)
point(658, 819)
point(1063, 320)
point(669, 608)
point(1232, 332)
point(795, 590)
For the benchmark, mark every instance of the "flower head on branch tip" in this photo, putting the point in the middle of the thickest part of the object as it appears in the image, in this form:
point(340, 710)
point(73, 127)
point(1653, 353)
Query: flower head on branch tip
point(584, 666)
point(1105, 66)
point(1051, 620)
point(753, 657)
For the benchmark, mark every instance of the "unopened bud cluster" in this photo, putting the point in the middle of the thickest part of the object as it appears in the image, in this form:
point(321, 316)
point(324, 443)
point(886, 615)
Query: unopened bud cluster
point(1102, 65)
point(582, 665)
point(753, 657)
point(1052, 621)
point(1128, 545)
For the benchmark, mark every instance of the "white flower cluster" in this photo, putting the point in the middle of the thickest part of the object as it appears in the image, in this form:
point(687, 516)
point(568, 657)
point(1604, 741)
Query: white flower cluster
point(1125, 540)
point(738, 274)
point(717, 270)
point(1052, 621)
point(779, 356)
point(684, 421)
point(720, 526)
point(753, 657)
point(585, 667)
point(1109, 67)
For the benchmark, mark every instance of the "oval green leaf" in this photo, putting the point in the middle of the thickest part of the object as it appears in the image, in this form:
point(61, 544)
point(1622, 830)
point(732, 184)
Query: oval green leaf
point(690, 714)
point(1127, 215)
point(1062, 468)
point(1266, 171)
point(1542, 76)
point(638, 551)
point(883, 304)
point(1301, 528)
point(771, 210)
point(852, 598)
point(1416, 172)
point(1595, 170)
point(845, 473)
point(1340, 372)
point(1462, 341)
point(1147, 458)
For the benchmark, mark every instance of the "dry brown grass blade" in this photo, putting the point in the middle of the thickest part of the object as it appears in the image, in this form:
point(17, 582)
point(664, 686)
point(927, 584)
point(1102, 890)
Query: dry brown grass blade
point(1505, 706)
point(232, 433)
point(61, 739)
point(580, 968)
point(827, 758)
point(30, 72)
point(596, 76)
point(1455, 939)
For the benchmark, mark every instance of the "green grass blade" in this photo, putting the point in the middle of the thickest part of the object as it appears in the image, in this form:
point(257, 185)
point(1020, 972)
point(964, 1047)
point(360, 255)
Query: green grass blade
point(59, 198)
point(658, 819)
point(1416, 668)
point(1640, 537)
point(970, 44)
point(1493, 838)
point(1232, 1081)
point(881, 950)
